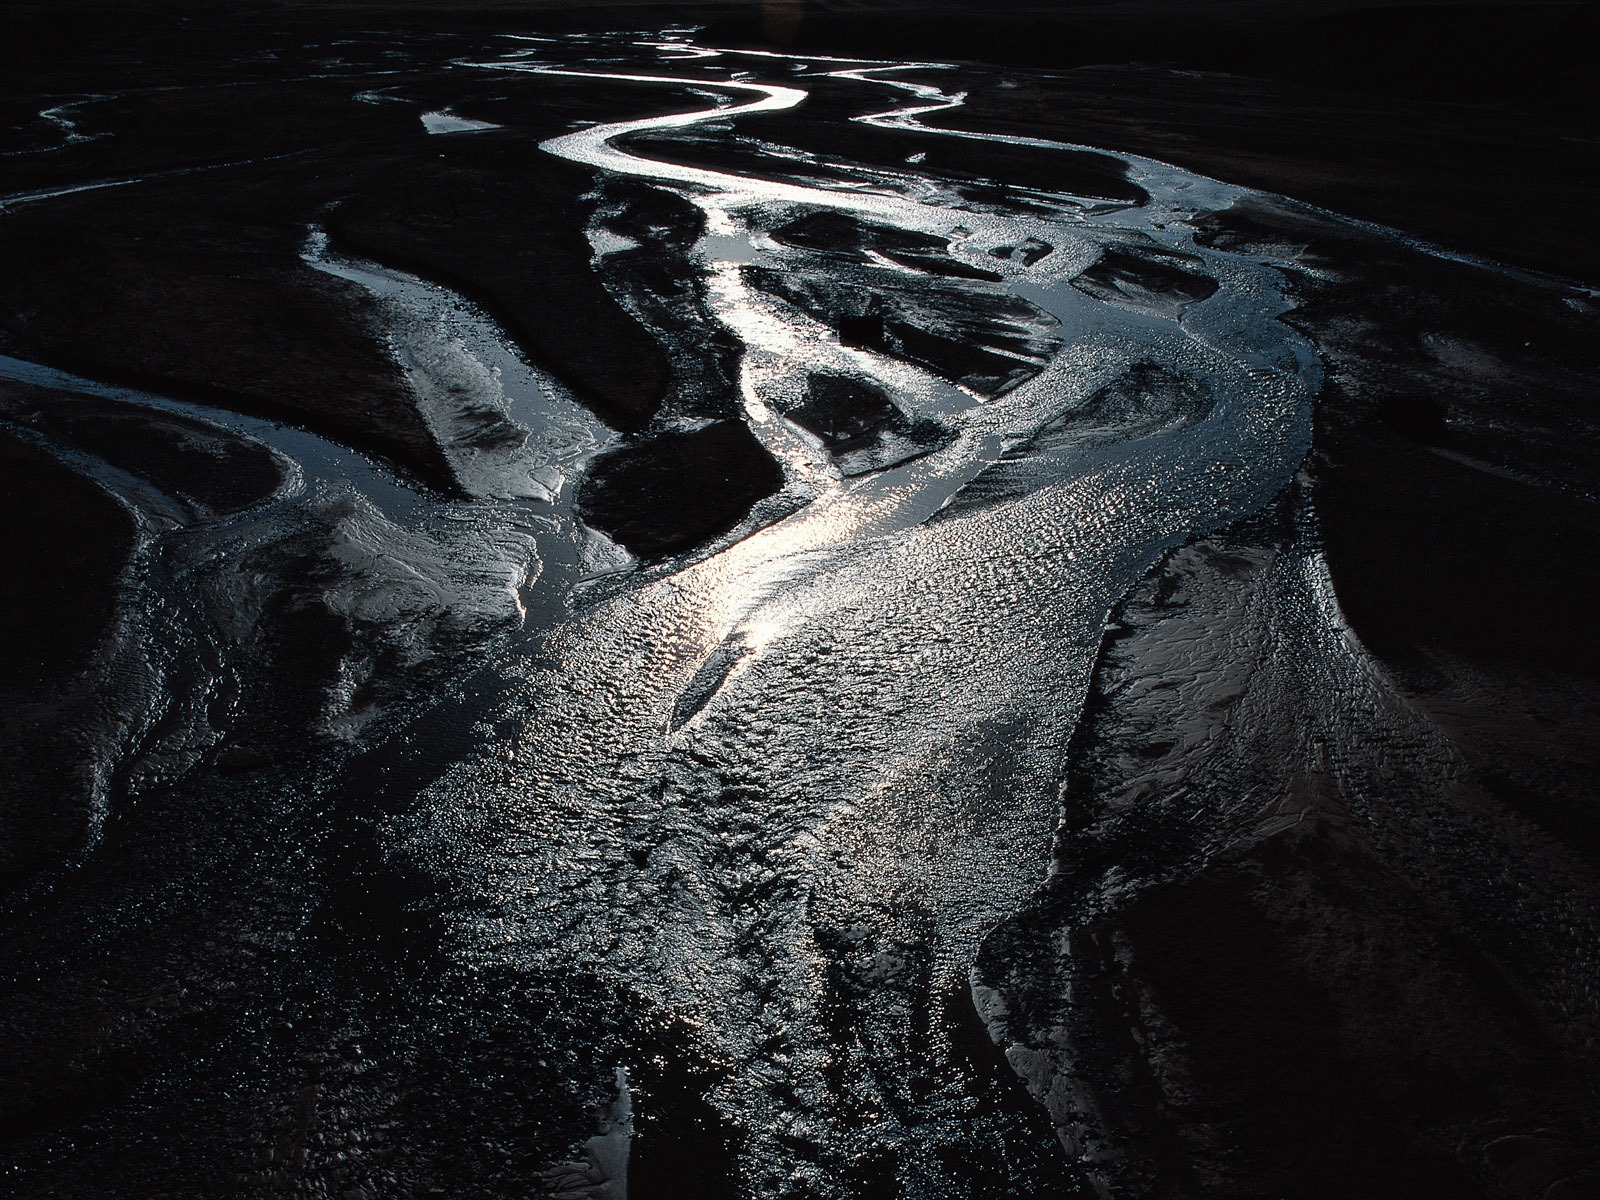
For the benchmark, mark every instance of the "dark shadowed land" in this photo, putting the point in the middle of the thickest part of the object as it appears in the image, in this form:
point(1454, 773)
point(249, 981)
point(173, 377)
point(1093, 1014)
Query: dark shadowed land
point(1272, 873)
point(1370, 109)
point(1321, 907)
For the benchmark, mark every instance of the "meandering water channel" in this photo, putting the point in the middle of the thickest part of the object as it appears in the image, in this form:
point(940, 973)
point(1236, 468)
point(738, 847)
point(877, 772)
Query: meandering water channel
point(772, 793)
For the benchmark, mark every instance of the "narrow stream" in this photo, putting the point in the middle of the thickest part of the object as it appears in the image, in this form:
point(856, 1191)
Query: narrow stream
point(781, 792)
point(773, 792)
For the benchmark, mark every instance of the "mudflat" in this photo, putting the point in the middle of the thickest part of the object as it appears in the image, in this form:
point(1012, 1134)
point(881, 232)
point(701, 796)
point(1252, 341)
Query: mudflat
point(612, 609)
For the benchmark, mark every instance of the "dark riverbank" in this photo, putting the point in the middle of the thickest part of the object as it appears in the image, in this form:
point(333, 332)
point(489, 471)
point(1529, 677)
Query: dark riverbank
point(1324, 907)
point(1457, 122)
point(1331, 806)
point(65, 551)
point(177, 262)
point(1452, 122)
point(199, 285)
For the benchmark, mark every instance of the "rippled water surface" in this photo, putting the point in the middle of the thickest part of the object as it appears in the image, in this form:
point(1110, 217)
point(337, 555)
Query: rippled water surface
point(718, 830)
point(781, 791)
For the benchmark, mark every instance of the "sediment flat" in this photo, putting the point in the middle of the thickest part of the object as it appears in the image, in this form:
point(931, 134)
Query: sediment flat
point(1007, 668)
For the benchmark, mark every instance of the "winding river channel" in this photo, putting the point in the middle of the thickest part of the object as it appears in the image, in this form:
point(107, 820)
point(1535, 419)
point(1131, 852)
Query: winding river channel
point(783, 792)
point(715, 836)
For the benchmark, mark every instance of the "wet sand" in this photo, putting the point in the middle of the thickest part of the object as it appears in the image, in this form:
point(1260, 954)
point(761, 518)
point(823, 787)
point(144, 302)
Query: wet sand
point(186, 274)
point(65, 550)
point(1268, 876)
point(1306, 934)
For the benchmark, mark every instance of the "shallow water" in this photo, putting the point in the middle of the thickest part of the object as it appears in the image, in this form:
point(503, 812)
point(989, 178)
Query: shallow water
point(769, 794)
point(780, 792)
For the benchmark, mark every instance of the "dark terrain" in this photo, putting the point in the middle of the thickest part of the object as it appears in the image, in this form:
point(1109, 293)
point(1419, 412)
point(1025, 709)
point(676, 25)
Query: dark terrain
point(1321, 907)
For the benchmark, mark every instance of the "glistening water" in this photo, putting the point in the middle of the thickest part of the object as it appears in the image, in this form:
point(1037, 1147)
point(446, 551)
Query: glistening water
point(781, 791)
point(716, 831)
